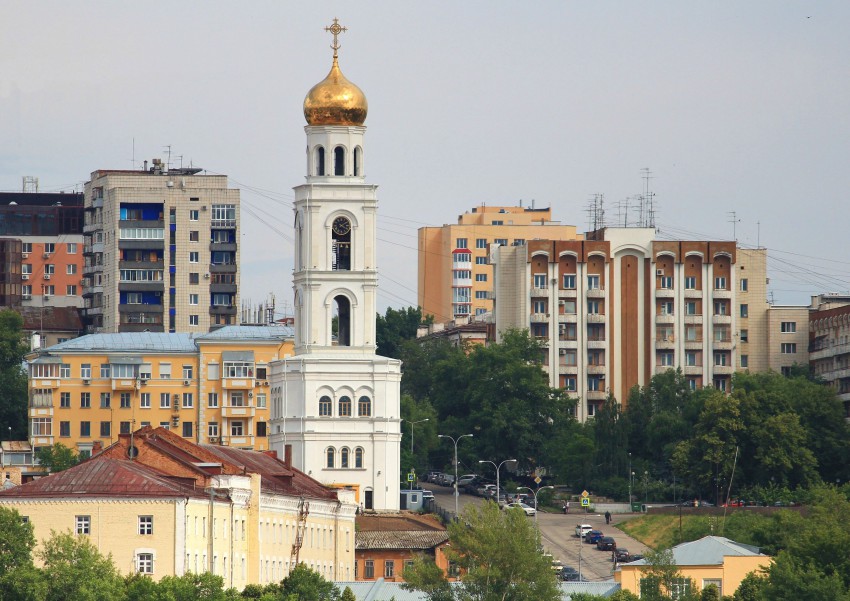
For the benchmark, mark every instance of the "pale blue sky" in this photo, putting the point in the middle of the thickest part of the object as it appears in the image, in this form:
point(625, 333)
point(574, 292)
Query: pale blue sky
point(734, 106)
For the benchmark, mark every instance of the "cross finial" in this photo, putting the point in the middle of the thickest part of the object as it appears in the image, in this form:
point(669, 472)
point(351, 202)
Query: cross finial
point(336, 29)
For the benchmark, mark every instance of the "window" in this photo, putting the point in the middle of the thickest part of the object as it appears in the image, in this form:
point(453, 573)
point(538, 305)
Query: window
point(343, 458)
point(593, 282)
point(368, 569)
point(71, 248)
point(71, 269)
point(49, 268)
point(330, 454)
point(188, 400)
point(193, 236)
point(745, 361)
point(26, 247)
point(480, 260)
point(665, 282)
point(344, 406)
point(481, 243)
point(65, 370)
point(165, 371)
point(570, 281)
point(145, 400)
point(144, 563)
point(358, 458)
point(788, 327)
point(239, 369)
point(461, 243)
point(164, 400)
point(690, 282)
point(193, 256)
point(82, 524)
point(105, 429)
point(666, 307)
point(389, 568)
point(237, 399)
point(462, 258)
point(745, 335)
point(570, 357)
point(212, 429)
point(41, 426)
point(262, 429)
point(720, 308)
point(145, 371)
point(692, 359)
point(789, 348)
point(593, 307)
point(744, 284)
point(540, 280)
point(570, 383)
point(665, 358)
point(145, 524)
point(570, 307)
point(193, 299)
point(539, 306)
point(65, 429)
point(212, 399)
point(104, 370)
point(364, 406)
point(595, 383)
point(187, 429)
point(187, 372)
point(50, 290)
point(65, 400)
point(480, 295)
point(125, 400)
point(679, 588)
point(194, 278)
point(105, 400)
point(745, 310)
point(193, 320)
point(26, 269)
point(720, 283)
point(237, 428)
point(716, 582)
point(193, 214)
point(721, 359)
point(85, 400)
point(480, 277)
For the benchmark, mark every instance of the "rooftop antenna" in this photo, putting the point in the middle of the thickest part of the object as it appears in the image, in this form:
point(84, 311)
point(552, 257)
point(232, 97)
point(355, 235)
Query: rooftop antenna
point(647, 212)
point(29, 184)
point(758, 234)
point(168, 154)
point(733, 219)
point(133, 154)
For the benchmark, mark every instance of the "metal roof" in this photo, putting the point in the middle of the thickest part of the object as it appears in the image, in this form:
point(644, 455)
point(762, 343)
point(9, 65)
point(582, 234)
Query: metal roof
point(129, 342)
point(273, 332)
point(380, 590)
point(400, 539)
point(709, 550)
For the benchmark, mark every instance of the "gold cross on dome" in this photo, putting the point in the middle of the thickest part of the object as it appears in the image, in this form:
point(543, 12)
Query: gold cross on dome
point(336, 29)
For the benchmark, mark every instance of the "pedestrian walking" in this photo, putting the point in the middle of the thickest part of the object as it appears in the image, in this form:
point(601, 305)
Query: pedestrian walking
point(607, 517)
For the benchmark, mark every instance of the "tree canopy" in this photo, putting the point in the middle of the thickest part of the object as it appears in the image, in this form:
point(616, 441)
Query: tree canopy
point(13, 379)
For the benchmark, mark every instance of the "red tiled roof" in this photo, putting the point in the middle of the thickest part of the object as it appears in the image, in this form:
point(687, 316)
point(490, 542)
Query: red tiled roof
point(418, 540)
point(398, 522)
point(102, 476)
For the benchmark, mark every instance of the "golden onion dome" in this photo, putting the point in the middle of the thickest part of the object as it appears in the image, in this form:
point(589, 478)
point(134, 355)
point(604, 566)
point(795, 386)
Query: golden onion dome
point(335, 101)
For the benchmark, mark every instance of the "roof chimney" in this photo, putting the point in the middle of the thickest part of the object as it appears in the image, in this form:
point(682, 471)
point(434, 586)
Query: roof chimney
point(287, 456)
point(96, 447)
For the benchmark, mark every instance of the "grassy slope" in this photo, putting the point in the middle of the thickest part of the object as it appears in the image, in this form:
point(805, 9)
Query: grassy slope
point(663, 531)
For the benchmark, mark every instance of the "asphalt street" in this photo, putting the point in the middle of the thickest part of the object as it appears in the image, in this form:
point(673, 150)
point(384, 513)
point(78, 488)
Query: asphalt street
point(558, 533)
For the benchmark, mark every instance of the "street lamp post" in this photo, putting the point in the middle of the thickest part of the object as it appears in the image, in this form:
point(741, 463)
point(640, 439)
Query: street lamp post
point(535, 498)
point(455, 441)
point(411, 446)
point(498, 467)
point(630, 481)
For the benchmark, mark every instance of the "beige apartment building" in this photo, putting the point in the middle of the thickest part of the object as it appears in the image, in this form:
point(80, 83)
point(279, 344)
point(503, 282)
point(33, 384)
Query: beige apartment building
point(829, 343)
point(455, 279)
point(161, 251)
point(619, 307)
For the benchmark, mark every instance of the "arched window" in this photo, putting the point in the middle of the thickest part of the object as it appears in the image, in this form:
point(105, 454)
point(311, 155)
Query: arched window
point(341, 244)
point(364, 406)
point(343, 458)
point(330, 453)
point(320, 161)
point(358, 457)
point(339, 160)
point(325, 406)
point(358, 161)
point(343, 316)
point(344, 406)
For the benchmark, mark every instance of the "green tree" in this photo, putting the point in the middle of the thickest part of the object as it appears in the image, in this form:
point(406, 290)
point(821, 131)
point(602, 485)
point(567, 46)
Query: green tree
point(24, 583)
point(751, 588)
point(397, 326)
point(426, 576)
point(13, 379)
point(16, 541)
point(303, 584)
point(498, 551)
point(348, 595)
point(57, 458)
point(75, 569)
point(192, 587)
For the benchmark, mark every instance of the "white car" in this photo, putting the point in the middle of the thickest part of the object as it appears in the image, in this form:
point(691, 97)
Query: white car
point(583, 529)
point(526, 508)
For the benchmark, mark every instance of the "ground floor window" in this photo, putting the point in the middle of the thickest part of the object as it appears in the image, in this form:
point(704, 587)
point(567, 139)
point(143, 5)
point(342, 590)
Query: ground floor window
point(369, 569)
point(144, 563)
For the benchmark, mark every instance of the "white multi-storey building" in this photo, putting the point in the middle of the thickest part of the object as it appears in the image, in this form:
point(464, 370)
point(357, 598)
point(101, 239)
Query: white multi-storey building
point(335, 401)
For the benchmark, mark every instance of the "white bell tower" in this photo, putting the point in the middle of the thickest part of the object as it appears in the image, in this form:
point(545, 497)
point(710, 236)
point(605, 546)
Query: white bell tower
point(336, 402)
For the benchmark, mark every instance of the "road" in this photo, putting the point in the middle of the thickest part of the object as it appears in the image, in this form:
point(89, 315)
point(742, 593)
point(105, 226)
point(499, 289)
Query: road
point(558, 533)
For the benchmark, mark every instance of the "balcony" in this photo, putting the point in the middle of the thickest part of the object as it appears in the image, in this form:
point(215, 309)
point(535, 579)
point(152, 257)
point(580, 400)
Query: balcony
point(692, 293)
point(141, 327)
point(836, 374)
point(233, 412)
point(92, 227)
point(596, 318)
point(567, 344)
point(141, 286)
point(569, 370)
point(693, 319)
point(693, 345)
point(664, 293)
point(596, 343)
point(95, 310)
point(41, 412)
point(39, 383)
point(92, 249)
point(141, 244)
point(243, 442)
point(724, 344)
point(666, 342)
point(123, 384)
point(664, 318)
point(596, 369)
point(595, 395)
point(831, 351)
point(91, 269)
point(662, 369)
point(96, 203)
point(596, 293)
point(539, 292)
point(223, 268)
point(571, 293)
point(223, 246)
point(223, 288)
point(125, 224)
point(237, 383)
point(721, 319)
point(222, 310)
point(723, 370)
point(567, 318)
point(539, 318)
point(140, 309)
point(718, 293)
point(141, 265)
point(693, 370)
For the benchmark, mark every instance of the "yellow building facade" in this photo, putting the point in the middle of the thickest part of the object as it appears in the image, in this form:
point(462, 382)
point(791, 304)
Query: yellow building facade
point(455, 279)
point(211, 388)
point(163, 506)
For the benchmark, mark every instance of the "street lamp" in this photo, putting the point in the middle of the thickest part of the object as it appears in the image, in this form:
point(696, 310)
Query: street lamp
point(645, 483)
point(535, 498)
point(411, 445)
point(631, 474)
point(455, 441)
point(498, 467)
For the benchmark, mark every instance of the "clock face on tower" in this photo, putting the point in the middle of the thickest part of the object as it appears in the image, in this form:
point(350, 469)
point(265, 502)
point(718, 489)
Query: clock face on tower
point(341, 226)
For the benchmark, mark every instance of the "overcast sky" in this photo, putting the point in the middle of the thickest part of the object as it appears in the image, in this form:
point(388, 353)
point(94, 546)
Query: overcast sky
point(734, 106)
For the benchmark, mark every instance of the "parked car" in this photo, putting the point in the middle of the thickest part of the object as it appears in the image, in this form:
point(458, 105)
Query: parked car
point(569, 574)
point(623, 555)
point(427, 494)
point(635, 557)
point(466, 479)
point(605, 543)
point(583, 529)
point(526, 508)
point(593, 536)
point(433, 477)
